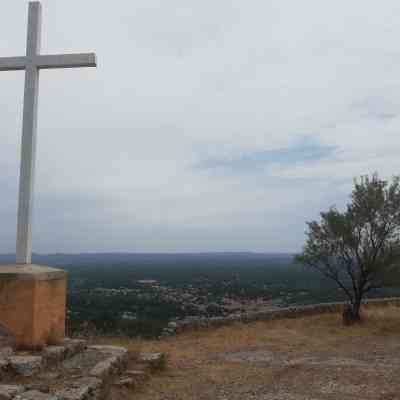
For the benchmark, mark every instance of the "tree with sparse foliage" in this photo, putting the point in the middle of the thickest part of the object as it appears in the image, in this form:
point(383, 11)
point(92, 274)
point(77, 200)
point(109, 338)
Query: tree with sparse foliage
point(357, 248)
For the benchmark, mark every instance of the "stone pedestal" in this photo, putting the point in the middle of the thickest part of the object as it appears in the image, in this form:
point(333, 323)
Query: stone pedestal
point(33, 304)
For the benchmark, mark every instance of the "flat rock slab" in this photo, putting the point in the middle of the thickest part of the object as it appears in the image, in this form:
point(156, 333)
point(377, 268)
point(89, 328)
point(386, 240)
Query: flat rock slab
point(82, 389)
point(80, 377)
point(136, 373)
point(150, 357)
point(73, 346)
point(54, 354)
point(125, 382)
point(105, 368)
point(25, 365)
point(8, 392)
point(35, 395)
point(116, 360)
point(120, 352)
point(83, 362)
point(6, 352)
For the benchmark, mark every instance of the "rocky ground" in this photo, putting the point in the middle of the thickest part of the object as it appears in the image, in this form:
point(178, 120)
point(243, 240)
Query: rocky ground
point(73, 370)
point(309, 358)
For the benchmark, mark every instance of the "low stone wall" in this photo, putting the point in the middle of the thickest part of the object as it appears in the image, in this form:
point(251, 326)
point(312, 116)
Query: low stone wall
point(287, 312)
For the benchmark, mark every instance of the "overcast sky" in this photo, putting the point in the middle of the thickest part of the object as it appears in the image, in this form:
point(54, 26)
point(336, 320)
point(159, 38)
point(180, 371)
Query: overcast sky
point(207, 126)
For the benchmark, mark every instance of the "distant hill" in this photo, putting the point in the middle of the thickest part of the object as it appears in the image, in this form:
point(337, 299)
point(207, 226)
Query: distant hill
point(63, 259)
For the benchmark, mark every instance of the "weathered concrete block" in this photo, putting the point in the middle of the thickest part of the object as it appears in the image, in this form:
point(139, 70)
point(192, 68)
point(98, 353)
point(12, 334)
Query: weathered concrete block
point(32, 304)
point(25, 365)
point(8, 392)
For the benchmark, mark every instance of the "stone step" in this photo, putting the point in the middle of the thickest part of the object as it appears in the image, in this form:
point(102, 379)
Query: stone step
point(140, 370)
point(83, 376)
point(30, 363)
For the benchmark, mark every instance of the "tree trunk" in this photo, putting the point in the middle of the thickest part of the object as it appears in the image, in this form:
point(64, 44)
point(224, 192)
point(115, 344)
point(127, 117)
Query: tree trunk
point(351, 313)
point(356, 311)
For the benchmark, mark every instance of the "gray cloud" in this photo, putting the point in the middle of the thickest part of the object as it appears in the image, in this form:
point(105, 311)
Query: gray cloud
point(305, 151)
point(184, 82)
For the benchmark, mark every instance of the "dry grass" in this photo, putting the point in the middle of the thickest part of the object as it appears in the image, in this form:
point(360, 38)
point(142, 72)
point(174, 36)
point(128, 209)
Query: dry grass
point(197, 371)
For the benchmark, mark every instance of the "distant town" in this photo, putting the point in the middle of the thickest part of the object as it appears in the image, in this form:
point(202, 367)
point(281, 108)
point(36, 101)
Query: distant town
point(140, 294)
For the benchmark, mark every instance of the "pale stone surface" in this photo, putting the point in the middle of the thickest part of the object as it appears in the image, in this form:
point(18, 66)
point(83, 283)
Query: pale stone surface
point(117, 360)
point(6, 352)
point(153, 360)
point(53, 354)
point(32, 63)
point(72, 393)
point(25, 365)
point(30, 272)
point(82, 389)
point(8, 392)
point(35, 395)
point(74, 374)
point(73, 346)
point(124, 382)
point(90, 382)
point(106, 368)
point(49, 375)
point(172, 325)
point(115, 350)
point(150, 357)
point(136, 373)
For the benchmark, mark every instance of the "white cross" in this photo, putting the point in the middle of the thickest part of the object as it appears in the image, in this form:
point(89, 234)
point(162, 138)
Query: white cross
point(32, 63)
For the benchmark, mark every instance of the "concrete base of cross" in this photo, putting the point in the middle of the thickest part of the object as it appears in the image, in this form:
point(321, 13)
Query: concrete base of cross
point(33, 304)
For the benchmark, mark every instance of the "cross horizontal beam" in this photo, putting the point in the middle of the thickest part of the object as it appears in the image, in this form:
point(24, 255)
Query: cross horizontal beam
point(12, 63)
point(49, 61)
point(65, 60)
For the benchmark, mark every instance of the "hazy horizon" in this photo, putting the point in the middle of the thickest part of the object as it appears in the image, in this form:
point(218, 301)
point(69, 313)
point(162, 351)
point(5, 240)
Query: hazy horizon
point(155, 253)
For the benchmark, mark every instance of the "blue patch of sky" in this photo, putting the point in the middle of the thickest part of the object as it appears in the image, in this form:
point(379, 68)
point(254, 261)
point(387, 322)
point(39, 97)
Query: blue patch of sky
point(303, 151)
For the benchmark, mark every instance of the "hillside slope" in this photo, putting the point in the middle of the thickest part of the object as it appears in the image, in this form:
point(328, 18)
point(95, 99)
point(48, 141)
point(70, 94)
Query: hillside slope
point(306, 358)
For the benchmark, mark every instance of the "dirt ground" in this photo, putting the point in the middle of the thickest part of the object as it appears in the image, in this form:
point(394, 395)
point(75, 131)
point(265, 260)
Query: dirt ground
point(308, 358)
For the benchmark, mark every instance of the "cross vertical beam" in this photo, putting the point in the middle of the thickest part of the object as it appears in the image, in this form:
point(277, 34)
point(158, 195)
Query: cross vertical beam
point(32, 63)
point(29, 133)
